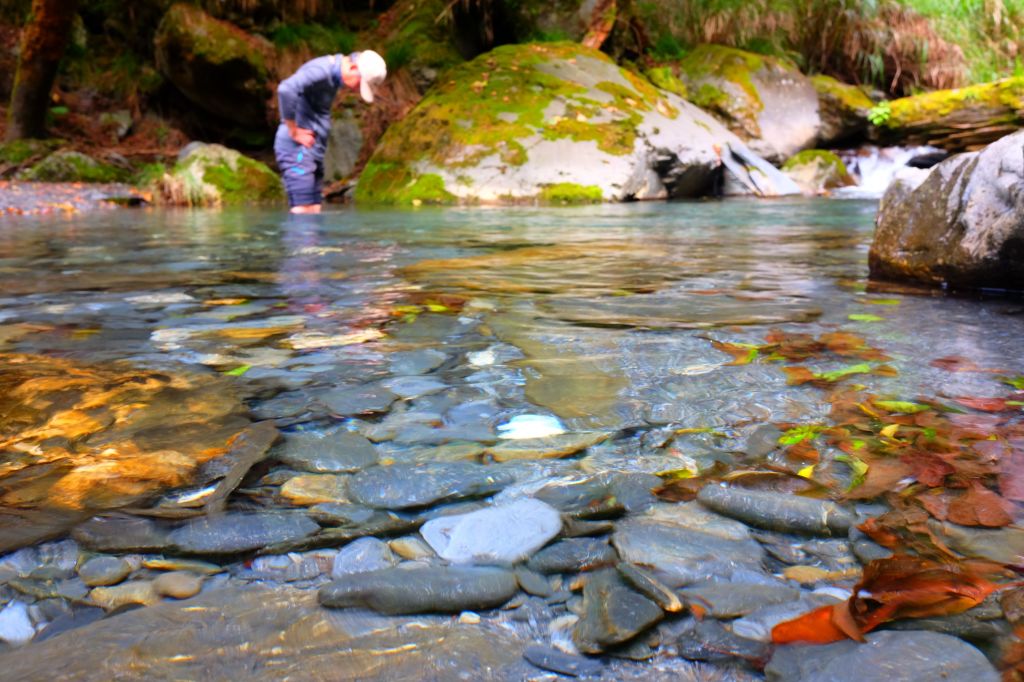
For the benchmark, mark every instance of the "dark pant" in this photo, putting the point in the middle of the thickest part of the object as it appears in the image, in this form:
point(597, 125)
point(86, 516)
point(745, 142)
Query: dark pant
point(301, 170)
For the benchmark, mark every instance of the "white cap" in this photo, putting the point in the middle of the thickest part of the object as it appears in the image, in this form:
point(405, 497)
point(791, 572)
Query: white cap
point(372, 71)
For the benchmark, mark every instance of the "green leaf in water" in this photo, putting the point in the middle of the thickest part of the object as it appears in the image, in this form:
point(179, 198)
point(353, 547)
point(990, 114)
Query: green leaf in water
point(857, 466)
point(238, 371)
point(901, 406)
point(837, 374)
point(622, 292)
point(676, 474)
point(438, 308)
point(865, 317)
point(1015, 403)
point(799, 434)
point(883, 301)
point(1015, 382)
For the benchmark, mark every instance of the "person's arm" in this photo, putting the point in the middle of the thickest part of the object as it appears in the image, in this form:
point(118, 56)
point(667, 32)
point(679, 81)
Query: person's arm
point(289, 91)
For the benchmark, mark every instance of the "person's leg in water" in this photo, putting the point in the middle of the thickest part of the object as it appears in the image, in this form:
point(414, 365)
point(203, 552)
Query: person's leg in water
point(303, 174)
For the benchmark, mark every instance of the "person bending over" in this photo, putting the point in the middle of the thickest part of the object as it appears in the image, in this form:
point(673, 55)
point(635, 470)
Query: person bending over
point(305, 100)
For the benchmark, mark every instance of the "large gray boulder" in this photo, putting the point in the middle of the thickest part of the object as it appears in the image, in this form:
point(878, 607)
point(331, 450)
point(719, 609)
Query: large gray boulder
point(557, 123)
point(962, 225)
point(766, 101)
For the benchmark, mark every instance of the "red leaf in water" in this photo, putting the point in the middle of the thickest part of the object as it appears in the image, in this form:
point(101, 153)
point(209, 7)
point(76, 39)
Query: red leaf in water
point(979, 506)
point(741, 355)
point(1011, 475)
point(851, 345)
point(797, 376)
point(928, 468)
point(986, 404)
point(816, 627)
point(958, 363)
point(803, 451)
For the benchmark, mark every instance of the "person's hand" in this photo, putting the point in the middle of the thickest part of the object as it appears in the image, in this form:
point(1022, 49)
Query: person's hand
point(303, 136)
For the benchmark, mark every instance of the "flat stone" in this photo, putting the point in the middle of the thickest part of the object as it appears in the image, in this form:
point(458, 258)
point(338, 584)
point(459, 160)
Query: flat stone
point(232, 632)
point(709, 640)
point(332, 451)
point(533, 583)
point(778, 511)
point(612, 613)
point(573, 555)
point(132, 592)
point(409, 388)
point(361, 399)
point(416, 362)
point(550, 447)
point(730, 600)
point(15, 625)
point(178, 584)
point(310, 489)
point(361, 556)
point(887, 656)
point(122, 534)
point(422, 589)
point(502, 534)
point(405, 486)
point(547, 658)
point(104, 570)
point(240, 532)
point(684, 543)
point(1002, 545)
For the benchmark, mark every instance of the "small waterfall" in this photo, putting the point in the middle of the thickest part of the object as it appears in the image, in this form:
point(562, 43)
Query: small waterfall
point(874, 168)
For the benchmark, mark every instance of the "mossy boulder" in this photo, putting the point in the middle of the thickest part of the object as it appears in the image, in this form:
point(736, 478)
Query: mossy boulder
point(213, 175)
point(764, 100)
point(962, 226)
point(964, 119)
point(843, 109)
point(525, 121)
point(66, 165)
point(219, 67)
point(817, 170)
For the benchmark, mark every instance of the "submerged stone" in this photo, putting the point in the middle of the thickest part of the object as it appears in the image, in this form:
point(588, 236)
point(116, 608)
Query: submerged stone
point(886, 657)
point(122, 534)
point(104, 570)
point(683, 543)
point(315, 489)
point(333, 452)
point(550, 447)
point(266, 635)
point(612, 613)
point(178, 584)
point(238, 532)
point(422, 589)
point(547, 658)
point(405, 486)
point(503, 534)
point(709, 640)
point(778, 511)
point(132, 592)
point(732, 599)
point(361, 556)
point(573, 555)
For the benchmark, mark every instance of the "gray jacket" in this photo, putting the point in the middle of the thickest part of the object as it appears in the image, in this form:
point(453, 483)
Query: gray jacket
point(307, 95)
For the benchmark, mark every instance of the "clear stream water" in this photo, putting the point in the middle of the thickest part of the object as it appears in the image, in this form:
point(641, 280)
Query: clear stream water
point(460, 321)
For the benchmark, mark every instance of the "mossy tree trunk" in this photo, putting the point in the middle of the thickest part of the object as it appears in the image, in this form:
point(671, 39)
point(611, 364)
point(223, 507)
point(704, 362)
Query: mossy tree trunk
point(42, 45)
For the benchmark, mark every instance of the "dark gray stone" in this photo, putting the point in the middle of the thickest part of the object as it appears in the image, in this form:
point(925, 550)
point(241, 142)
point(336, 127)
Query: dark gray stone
point(729, 600)
point(240, 532)
point(778, 511)
point(334, 451)
point(405, 486)
point(423, 589)
point(886, 657)
point(554, 660)
point(572, 555)
point(613, 613)
point(122, 534)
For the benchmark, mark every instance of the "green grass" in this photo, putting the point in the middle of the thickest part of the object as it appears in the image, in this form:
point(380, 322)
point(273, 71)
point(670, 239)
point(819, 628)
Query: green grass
point(319, 38)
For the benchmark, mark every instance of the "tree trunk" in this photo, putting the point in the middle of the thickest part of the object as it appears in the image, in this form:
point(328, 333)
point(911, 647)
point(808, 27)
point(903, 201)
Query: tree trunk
point(42, 45)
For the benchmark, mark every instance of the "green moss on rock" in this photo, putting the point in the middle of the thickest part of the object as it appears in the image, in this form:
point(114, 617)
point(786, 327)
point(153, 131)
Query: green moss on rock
point(494, 105)
point(212, 175)
point(816, 170)
point(571, 193)
point(70, 166)
point(664, 78)
point(1005, 96)
point(849, 96)
point(19, 151)
point(816, 156)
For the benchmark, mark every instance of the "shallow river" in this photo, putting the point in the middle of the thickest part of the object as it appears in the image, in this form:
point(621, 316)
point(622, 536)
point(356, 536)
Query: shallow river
point(555, 346)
